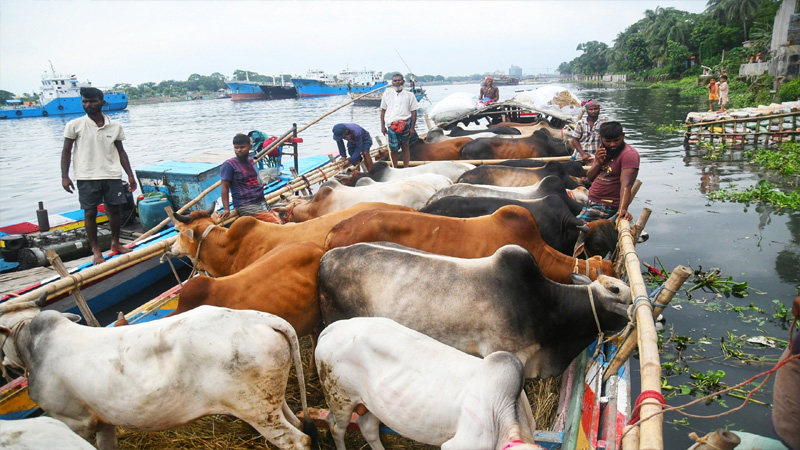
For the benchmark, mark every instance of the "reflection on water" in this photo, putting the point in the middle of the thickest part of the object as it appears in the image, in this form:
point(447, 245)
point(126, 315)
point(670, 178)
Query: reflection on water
point(753, 244)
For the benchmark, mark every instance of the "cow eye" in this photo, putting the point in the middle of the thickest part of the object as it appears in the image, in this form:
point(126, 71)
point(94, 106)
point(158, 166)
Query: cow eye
point(614, 290)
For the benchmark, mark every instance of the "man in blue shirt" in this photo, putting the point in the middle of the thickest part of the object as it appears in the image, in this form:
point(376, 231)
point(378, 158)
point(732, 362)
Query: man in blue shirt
point(358, 143)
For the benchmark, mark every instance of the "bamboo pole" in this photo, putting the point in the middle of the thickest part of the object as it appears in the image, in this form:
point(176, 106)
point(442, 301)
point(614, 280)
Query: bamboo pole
point(91, 274)
point(273, 145)
point(641, 222)
point(651, 433)
point(673, 283)
point(80, 300)
point(717, 440)
point(630, 441)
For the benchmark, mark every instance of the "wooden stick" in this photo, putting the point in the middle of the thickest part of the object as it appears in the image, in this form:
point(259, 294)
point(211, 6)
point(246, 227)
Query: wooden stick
point(80, 300)
point(641, 223)
point(428, 122)
point(630, 441)
point(717, 440)
point(649, 362)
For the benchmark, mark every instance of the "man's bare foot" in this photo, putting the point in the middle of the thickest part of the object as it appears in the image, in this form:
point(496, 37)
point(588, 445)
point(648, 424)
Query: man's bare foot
point(119, 248)
point(98, 259)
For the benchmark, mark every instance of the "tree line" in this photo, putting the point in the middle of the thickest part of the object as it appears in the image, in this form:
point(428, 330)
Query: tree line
point(672, 42)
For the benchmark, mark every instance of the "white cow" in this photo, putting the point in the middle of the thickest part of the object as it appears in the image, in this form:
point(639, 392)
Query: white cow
point(382, 171)
point(421, 388)
point(333, 196)
point(158, 375)
point(39, 433)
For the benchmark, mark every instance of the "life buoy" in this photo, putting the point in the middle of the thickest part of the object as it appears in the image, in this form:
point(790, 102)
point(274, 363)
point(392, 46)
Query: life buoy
point(45, 113)
point(61, 107)
point(18, 112)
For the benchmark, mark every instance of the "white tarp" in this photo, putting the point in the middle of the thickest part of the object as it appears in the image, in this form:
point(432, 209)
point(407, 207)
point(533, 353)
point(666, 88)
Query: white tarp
point(553, 100)
point(453, 106)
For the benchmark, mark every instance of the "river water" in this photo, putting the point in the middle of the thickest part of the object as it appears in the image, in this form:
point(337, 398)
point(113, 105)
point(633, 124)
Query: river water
point(750, 243)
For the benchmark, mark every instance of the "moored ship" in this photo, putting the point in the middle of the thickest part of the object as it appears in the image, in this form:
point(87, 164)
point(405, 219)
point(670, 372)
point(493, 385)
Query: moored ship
point(320, 84)
point(61, 95)
point(245, 90)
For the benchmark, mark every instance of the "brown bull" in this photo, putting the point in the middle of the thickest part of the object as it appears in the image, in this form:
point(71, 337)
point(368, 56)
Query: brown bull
point(465, 238)
point(282, 282)
point(225, 251)
point(437, 151)
point(538, 145)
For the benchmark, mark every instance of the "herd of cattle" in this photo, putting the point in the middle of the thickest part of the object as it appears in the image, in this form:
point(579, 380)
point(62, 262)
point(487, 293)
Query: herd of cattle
point(432, 293)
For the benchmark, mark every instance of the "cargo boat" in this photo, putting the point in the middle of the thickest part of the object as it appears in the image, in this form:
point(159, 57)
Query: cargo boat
point(320, 84)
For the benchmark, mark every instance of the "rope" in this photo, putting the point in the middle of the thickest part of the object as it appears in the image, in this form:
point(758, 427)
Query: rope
point(645, 395)
point(200, 244)
point(596, 322)
point(767, 374)
point(702, 440)
point(166, 256)
point(324, 177)
point(308, 184)
point(13, 335)
point(351, 177)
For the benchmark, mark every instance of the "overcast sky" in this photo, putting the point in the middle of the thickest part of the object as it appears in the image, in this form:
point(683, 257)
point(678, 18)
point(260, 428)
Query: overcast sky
point(114, 41)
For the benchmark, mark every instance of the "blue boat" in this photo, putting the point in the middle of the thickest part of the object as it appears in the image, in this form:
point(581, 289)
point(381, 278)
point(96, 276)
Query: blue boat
point(319, 84)
point(245, 90)
point(374, 99)
point(60, 95)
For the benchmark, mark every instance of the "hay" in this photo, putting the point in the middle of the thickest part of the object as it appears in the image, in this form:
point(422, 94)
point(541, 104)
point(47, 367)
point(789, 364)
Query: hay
point(220, 432)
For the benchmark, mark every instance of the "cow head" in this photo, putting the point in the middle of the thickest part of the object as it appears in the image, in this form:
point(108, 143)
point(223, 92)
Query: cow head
point(190, 229)
point(579, 194)
point(286, 213)
point(14, 315)
point(612, 298)
point(601, 239)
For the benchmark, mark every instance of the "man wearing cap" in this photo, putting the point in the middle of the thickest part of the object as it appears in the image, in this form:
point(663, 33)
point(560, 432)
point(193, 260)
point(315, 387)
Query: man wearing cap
point(399, 109)
point(489, 92)
point(358, 143)
point(586, 137)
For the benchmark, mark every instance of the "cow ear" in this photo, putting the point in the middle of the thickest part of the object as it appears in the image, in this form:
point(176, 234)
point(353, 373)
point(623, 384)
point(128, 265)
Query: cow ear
point(189, 233)
point(579, 279)
point(73, 317)
point(5, 331)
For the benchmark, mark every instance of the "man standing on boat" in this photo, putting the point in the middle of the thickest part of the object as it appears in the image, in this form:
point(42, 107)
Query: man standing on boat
point(99, 159)
point(358, 143)
point(585, 138)
point(489, 92)
point(399, 108)
point(615, 167)
point(239, 178)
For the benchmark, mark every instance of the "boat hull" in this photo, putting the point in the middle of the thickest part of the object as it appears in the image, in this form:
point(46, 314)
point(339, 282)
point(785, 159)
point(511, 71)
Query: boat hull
point(278, 92)
point(64, 106)
point(313, 88)
point(245, 91)
point(375, 101)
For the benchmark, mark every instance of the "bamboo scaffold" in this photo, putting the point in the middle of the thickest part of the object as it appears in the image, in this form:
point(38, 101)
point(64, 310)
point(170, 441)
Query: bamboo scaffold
point(756, 130)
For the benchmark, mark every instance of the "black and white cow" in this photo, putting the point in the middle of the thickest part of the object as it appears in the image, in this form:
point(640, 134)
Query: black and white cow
point(502, 302)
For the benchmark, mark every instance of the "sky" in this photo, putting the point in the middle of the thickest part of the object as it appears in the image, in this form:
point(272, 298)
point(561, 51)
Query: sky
point(117, 41)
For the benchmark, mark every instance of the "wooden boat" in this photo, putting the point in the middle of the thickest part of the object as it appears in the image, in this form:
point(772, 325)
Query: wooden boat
point(595, 398)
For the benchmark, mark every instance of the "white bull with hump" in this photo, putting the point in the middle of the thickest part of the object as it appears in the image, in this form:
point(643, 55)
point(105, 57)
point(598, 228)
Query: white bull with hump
point(425, 390)
point(158, 375)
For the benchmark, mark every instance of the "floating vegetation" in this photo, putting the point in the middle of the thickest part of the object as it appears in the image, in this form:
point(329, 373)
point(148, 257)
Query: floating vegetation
point(669, 128)
point(785, 160)
point(763, 192)
point(712, 281)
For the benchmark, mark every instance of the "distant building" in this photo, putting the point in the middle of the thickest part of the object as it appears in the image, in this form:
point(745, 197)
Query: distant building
point(515, 72)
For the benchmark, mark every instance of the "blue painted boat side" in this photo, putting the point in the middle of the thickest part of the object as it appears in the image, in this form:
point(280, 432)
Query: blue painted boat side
point(244, 87)
point(313, 88)
point(63, 106)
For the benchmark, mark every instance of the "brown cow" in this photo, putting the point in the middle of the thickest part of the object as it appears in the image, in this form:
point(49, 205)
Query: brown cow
point(539, 145)
point(225, 251)
point(529, 128)
point(438, 151)
point(465, 238)
point(282, 282)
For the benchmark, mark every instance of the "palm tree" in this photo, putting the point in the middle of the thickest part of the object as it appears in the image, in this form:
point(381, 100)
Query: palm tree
point(727, 10)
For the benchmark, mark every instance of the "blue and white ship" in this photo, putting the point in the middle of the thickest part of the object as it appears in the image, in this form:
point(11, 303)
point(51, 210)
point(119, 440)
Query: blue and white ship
point(320, 84)
point(58, 96)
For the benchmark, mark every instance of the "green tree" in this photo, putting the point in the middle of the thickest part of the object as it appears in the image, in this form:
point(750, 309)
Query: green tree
point(676, 61)
point(5, 95)
point(594, 59)
point(729, 10)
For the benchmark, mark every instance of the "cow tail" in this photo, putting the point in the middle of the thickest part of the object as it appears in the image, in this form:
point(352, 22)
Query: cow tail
point(294, 345)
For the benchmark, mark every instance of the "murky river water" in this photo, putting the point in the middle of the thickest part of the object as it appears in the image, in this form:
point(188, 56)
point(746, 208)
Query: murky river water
point(753, 244)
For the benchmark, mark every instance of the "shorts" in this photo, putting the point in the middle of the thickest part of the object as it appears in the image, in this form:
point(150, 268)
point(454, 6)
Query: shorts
point(713, 97)
point(252, 209)
point(91, 193)
point(596, 211)
point(396, 138)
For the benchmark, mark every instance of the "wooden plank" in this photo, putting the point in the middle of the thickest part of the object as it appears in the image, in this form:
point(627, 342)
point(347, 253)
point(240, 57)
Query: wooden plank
point(575, 402)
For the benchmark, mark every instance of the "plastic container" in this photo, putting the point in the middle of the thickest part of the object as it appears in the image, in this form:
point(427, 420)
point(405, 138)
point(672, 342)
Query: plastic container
point(151, 211)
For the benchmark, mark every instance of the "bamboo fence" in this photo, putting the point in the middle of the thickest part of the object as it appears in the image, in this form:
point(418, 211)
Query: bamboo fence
point(703, 131)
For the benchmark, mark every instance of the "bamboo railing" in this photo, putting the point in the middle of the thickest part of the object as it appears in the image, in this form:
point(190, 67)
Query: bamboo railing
point(723, 136)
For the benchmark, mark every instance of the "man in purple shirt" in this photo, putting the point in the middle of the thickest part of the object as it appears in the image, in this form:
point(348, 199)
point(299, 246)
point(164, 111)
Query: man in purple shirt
point(615, 167)
point(358, 143)
point(240, 179)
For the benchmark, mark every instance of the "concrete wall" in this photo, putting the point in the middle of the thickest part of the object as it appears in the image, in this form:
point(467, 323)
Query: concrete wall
point(753, 69)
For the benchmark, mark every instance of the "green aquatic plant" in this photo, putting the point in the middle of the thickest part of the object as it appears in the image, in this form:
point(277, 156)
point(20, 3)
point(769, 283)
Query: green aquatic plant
point(785, 160)
point(764, 192)
point(669, 128)
point(712, 281)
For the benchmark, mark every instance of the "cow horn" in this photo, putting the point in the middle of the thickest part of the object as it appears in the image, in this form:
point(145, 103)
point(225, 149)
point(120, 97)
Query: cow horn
point(584, 228)
point(608, 255)
point(182, 218)
point(211, 209)
point(41, 300)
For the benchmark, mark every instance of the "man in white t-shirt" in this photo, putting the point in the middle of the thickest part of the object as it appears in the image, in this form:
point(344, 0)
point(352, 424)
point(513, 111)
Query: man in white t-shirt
point(99, 159)
point(399, 109)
